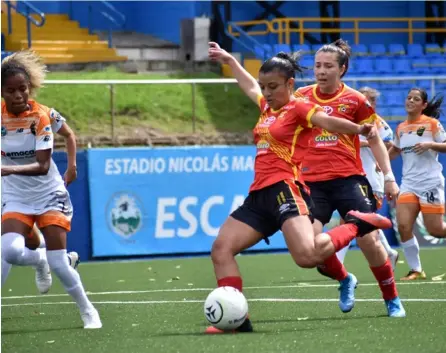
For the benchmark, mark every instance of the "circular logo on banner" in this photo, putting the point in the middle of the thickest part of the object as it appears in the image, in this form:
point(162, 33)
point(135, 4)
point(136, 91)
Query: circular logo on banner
point(124, 214)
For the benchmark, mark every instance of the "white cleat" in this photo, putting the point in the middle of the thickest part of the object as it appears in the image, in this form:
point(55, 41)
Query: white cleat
point(393, 257)
point(91, 319)
point(73, 259)
point(43, 276)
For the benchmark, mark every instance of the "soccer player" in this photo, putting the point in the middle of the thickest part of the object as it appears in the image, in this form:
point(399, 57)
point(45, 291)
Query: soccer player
point(278, 198)
point(373, 172)
point(419, 139)
point(333, 171)
point(33, 190)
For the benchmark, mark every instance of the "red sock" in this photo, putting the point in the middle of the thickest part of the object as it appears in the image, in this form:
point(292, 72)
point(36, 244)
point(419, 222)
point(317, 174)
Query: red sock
point(342, 235)
point(234, 281)
point(334, 268)
point(386, 280)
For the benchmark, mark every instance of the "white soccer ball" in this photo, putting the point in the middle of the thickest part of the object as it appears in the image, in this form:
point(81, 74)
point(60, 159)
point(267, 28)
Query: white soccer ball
point(226, 308)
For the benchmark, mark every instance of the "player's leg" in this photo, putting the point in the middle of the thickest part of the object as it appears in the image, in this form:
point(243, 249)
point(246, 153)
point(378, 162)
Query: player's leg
point(432, 208)
point(54, 226)
point(407, 210)
point(355, 193)
point(15, 226)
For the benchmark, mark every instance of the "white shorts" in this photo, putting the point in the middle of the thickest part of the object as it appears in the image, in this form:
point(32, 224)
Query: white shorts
point(431, 200)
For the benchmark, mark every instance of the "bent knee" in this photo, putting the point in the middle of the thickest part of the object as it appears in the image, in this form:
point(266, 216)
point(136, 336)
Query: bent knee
point(221, 250)
point(405, 228)
point(305, 260)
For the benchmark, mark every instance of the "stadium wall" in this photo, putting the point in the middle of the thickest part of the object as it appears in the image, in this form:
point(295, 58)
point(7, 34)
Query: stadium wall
point(163, 201)
point(162, 19)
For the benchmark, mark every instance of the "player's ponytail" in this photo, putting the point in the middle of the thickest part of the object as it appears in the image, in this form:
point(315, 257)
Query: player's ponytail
point(433, 108)
point(288, 64)
point(27, 63)
point(343, 51)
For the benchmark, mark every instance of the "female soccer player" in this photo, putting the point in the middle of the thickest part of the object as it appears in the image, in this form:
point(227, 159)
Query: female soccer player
point(419, 139)
point(373, 172)
point(32, 189)
point(278, 198)
point(333, 171)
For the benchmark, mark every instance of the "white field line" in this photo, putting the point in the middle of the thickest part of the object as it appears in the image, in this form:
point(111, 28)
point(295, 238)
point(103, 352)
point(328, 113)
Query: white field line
point(273, 300)
point(298, 286)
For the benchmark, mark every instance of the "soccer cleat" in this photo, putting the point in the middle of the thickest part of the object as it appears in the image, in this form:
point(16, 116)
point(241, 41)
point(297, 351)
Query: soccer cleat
point(367, 222)
point(414, 275)
point(393, 257)
point(347, 293)
point(245, 327)
point(395, 308)
point(73, 259)
point(320, 269)
point(44, 280)
point(91, 319)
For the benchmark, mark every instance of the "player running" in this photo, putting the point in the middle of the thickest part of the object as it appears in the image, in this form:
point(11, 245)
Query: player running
point(33, 190)
point(419, 139)
point(333, 171)
point(373, 172)
point(278, 197)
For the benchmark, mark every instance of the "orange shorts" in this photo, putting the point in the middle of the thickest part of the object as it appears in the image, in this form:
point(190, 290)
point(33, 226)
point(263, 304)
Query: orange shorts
point(50, 218)
point(425, 207)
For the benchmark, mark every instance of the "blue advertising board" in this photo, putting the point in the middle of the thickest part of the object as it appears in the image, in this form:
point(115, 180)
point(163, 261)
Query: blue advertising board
point(147, 201)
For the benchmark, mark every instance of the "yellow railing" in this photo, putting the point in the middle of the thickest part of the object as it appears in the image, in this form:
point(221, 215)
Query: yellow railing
point(282, 27)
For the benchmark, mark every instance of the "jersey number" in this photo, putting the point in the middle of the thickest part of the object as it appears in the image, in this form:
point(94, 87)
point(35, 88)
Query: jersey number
point(364, 190)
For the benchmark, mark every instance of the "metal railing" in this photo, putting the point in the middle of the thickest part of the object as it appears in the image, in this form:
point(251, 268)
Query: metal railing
point(109, 12)
point(27, 12)
point(248, 42)
point(282, 27)
point(194, 82)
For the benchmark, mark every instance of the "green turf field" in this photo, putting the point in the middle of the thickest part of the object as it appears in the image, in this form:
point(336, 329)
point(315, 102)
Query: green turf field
point(157, 306)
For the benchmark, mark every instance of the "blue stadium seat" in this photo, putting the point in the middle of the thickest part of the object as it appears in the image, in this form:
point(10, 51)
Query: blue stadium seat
point(421, 66)
point(359, 49)
point(415, 50)
point(6, 53)
point(364, 66)
point(433, 50)
point(397, 49)
point(378, 49)
point(281, 47)
point(383, 111)
point(383, 66)
point(402, 65)
point(395, 98)
point(399, 112)
point(304, 48)
point(308, 62)
point(438, 66)
point(424, 84)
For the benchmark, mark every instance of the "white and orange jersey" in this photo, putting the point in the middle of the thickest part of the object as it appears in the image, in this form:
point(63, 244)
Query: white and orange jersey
point(22, 136)
point(375, 178)
point(420, 172)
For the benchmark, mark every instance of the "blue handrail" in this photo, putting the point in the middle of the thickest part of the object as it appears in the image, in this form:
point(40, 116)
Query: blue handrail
point(27, 12)
point(109, 12)
point(250, 43)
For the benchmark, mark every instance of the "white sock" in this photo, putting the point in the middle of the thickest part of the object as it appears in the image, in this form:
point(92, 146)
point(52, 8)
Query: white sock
point(14, 251)
point(6, 267)
point(384, 241)
point(412, 253)
point(341, 253)
point(58, 261)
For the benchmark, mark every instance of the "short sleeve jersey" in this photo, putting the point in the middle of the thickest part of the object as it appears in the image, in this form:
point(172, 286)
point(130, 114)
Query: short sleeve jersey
point(281, 138)
point(334, 155)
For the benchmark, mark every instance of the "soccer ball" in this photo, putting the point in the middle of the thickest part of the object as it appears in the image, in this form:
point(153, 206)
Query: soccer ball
point(226, 308)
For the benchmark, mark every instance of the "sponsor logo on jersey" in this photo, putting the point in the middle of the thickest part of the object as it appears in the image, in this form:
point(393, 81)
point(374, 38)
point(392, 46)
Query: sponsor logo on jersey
point(19, 154)
point(327, 109)
point(420, 131)
point(326, 139)
point(262, 146)
point(268, 121)
point(343, 108)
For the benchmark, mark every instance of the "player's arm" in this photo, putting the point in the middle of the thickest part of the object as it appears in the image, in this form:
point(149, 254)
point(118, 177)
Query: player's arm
point(339, 125)
point(394, 152)
point(247, 83)
point(439, 140)
point(44, 146)
point(70, 143)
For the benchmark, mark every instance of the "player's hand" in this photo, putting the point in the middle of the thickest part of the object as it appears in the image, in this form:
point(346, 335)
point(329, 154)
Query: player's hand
point(367, 130)
point(377, 168)
point(5, 171)
point(216, 53)
point(422, 147)
point(391, 190)
point(70, 175)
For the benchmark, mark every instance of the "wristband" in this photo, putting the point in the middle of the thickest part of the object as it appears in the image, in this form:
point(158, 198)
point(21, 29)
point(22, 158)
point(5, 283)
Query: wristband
point(389, 177)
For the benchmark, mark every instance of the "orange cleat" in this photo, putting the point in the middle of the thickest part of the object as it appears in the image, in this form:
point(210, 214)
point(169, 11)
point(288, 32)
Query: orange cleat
point(245, 327)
